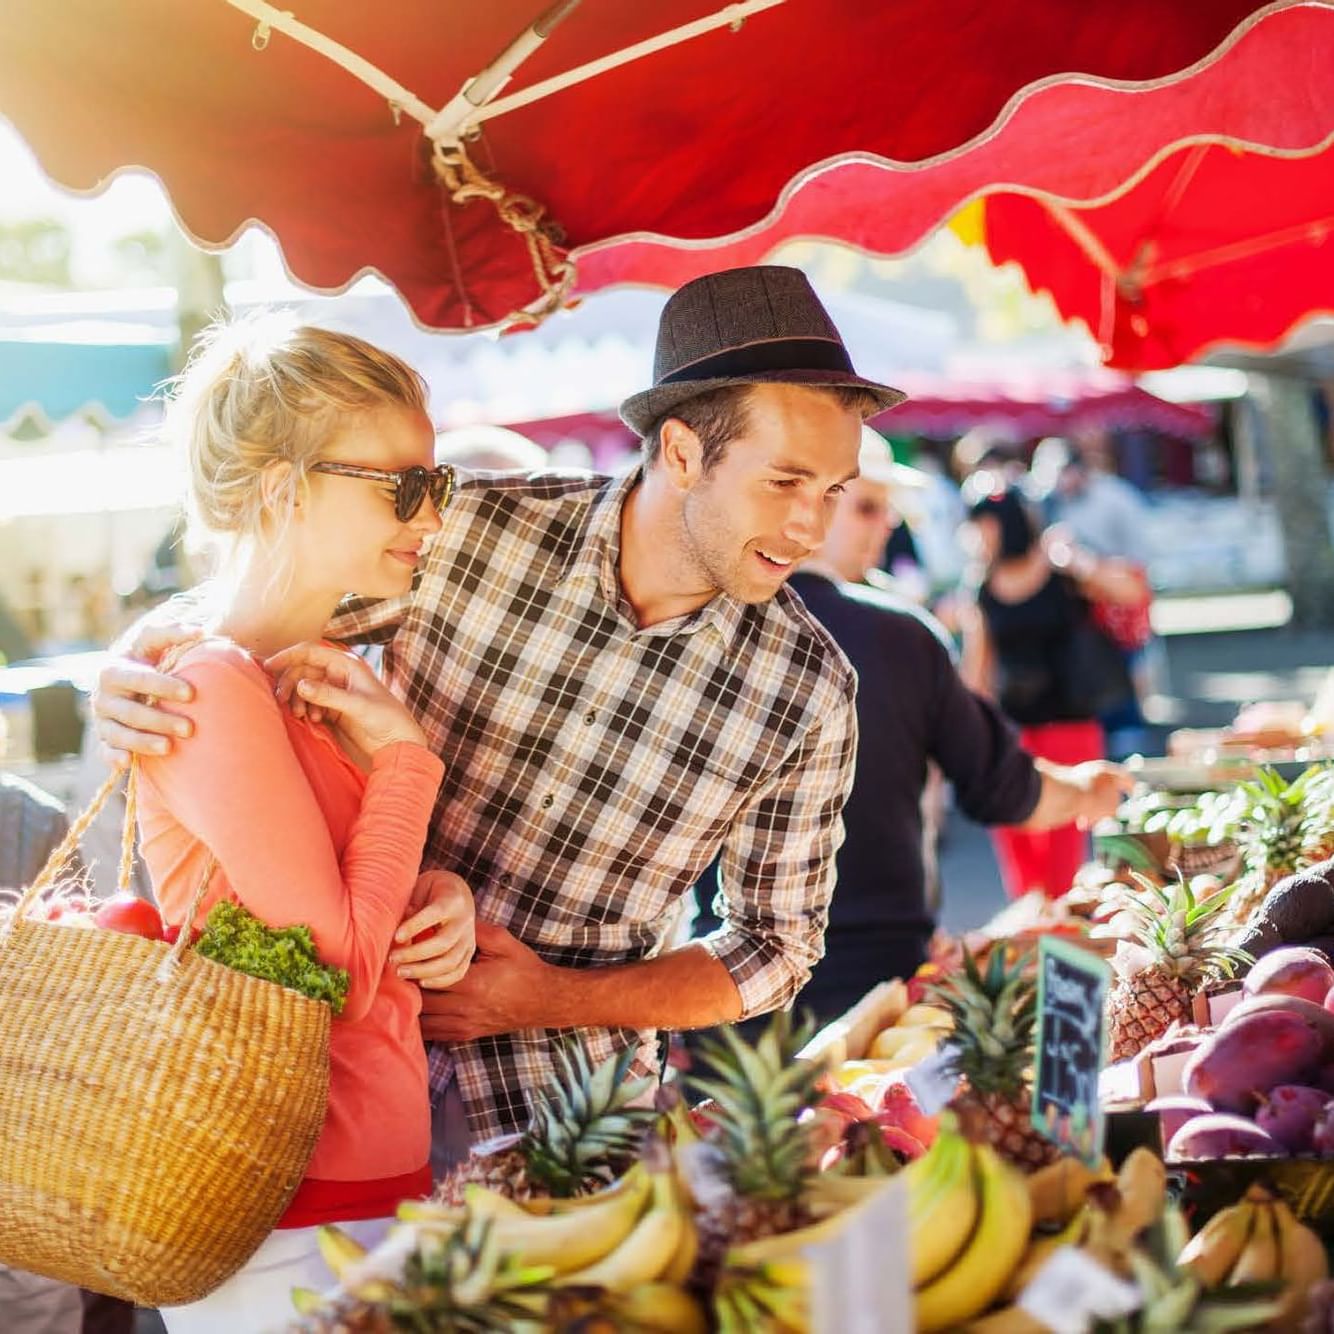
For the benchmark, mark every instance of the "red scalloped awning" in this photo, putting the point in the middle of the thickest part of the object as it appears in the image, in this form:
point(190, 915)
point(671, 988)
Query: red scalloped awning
point(698, 141)
point(1070, 141)
point(1017, 407)
point(1044, 403)
point(1213, 247)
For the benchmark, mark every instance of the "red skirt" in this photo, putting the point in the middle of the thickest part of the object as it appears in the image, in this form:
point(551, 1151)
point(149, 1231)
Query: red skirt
point(1047, 859)
point(317, 1202)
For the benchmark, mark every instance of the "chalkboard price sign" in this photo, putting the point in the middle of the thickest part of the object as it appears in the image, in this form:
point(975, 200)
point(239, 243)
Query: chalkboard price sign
point(1072, 985)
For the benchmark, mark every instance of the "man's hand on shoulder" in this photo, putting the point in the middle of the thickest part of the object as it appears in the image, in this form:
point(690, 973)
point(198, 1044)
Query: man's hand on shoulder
point(125, 721)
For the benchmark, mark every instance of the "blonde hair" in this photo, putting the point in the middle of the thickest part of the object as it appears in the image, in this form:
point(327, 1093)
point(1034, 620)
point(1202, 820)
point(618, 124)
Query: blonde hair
point(262, 390)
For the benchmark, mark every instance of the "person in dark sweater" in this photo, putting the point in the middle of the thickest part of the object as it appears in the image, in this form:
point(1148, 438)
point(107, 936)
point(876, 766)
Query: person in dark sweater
point(912, 707)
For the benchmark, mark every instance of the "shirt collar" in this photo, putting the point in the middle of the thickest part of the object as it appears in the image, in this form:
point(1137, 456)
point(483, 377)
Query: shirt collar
point(596, 554)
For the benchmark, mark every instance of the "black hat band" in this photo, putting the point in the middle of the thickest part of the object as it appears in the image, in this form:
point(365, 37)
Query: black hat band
point(780, 354)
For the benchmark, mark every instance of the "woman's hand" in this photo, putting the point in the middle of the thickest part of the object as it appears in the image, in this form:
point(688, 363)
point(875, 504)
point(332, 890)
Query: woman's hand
point(442, 906)
point(346, 693)
point(1100, 578)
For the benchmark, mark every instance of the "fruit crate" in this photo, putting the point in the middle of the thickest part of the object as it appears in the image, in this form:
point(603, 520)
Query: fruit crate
point(1126, 1131)
point(849, 1037)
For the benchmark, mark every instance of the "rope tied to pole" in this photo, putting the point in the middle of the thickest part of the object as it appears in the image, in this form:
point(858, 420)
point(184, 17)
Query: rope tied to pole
point(523, 215)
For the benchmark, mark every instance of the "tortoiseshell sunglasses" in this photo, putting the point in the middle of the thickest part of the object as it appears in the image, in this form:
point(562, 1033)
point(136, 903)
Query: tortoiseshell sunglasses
point(411, 486)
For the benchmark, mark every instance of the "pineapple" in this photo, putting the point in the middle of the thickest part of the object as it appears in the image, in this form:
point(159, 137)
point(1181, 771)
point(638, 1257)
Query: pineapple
point(1318, 813)
point(992, 1048)
point(761, 1150)
point(583, 1134)
point(1179, 944)
point(450, 1280)
point(1274, 835)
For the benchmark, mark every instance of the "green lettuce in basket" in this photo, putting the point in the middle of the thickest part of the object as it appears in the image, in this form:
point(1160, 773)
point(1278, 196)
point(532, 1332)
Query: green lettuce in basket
point(286, 955)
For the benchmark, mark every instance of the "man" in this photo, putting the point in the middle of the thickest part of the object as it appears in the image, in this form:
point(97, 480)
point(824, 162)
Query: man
point(621, 688)
point(1092, 509)
point(1099, 510)
point(911, 708)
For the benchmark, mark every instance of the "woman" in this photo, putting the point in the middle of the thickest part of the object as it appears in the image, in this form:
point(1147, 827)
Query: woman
point(1030, 642)
point(309, 456)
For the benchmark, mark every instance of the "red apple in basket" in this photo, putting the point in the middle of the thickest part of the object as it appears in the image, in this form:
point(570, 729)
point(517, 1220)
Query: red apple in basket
point(171, 933)
point(133, 916)
point(60, 910)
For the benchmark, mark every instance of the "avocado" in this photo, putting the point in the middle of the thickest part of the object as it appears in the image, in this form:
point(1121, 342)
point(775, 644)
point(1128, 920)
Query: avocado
point(1300, 908)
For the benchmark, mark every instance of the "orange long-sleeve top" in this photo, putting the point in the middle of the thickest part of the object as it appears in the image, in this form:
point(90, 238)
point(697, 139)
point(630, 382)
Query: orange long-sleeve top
point(304, 837)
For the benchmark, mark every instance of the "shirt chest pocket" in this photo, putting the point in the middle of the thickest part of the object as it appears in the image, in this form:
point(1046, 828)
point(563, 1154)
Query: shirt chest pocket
point(706, 787)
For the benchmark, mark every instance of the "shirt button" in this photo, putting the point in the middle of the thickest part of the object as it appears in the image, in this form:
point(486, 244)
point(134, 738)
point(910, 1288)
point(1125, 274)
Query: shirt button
point(590, 718)
point(547, 801)
point(506, 879)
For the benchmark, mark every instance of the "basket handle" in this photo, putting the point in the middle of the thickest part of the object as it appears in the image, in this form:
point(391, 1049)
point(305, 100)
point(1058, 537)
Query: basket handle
point(61, 854)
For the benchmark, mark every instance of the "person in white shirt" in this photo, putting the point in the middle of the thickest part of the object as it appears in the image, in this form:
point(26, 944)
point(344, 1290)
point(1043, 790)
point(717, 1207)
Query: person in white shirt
point(1102, 512)
point(1090, 508)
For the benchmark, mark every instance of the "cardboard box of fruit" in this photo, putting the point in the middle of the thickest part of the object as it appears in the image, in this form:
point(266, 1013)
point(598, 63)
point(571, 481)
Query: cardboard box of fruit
point(849, 1037)
point(1249, 1095)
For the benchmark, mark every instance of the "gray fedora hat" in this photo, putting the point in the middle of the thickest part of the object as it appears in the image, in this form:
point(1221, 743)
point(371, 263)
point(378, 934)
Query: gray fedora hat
point(758, 325)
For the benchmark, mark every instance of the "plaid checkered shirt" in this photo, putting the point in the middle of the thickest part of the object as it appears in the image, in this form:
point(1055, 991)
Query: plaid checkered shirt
point(594, 769)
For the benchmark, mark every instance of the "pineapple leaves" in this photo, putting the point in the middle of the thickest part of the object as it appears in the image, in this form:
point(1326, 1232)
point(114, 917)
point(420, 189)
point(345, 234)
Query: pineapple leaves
point(583, 1130)
point(995, 1014)
point(1185, 935)
point(759, 1092)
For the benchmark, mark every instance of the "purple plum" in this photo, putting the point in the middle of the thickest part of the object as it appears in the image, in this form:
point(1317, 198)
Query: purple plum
point(1289, 1113)
point(1249, 1056)
point(1317, 1017)
point(1293, 971)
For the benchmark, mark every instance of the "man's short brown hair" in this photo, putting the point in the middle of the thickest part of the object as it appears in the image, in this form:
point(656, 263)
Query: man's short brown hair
point(720, 415)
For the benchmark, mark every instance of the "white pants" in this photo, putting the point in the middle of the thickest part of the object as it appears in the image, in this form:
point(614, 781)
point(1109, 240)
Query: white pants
point(258, 1299)
point(30, 1304)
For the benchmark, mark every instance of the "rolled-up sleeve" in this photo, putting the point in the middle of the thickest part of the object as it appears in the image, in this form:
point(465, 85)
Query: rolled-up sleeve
point(777, 864)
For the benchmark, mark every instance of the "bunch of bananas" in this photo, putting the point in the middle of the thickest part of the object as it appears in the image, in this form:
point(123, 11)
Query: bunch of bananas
point(969, 1214)
point(968, 1221)
point(640, 1230)
point(1258, 1240)
point(629, 1247)
point(1071, 1205)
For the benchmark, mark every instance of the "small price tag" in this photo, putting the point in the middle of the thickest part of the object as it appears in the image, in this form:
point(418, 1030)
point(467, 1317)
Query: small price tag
point(930, 1082)
point(1072, 1290)
point(1072, 984)
point(860, 1281)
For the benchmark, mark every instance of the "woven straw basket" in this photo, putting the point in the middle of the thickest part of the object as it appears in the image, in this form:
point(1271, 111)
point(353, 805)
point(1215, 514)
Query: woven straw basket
point(157, 1109)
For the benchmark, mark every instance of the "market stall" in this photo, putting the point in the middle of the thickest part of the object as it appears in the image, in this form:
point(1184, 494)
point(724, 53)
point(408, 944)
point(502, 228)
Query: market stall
point(1114, 1109)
